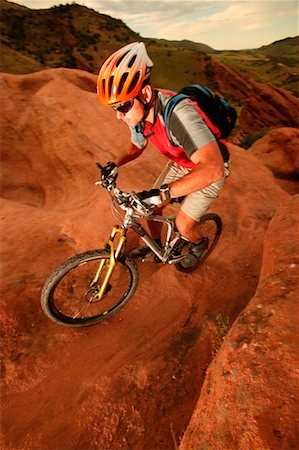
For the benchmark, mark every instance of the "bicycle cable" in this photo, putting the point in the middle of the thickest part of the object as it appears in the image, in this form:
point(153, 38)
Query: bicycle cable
point(115, 212)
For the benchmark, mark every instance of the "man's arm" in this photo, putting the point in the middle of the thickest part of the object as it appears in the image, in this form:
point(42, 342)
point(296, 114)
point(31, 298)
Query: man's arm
point(209, 168)
point(132, 153)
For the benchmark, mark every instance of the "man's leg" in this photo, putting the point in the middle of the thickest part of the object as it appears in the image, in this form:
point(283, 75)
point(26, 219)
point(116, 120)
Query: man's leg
point(188, 227)
point(193, 208)
point(195, 205)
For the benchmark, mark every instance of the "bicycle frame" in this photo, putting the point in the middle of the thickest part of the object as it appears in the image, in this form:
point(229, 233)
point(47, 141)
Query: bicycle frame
point(164, 253)
point(130, 222)
point(109, 276)
point(114, 254)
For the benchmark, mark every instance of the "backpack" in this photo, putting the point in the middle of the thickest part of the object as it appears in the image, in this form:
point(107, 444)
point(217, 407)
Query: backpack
point(215, 107)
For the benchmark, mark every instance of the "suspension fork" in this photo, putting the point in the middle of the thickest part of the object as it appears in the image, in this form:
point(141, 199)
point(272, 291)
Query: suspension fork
point(114, 254)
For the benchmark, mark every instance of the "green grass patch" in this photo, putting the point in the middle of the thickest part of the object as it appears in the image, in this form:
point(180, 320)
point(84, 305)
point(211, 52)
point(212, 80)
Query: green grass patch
point(223, 325)
point(249, 139)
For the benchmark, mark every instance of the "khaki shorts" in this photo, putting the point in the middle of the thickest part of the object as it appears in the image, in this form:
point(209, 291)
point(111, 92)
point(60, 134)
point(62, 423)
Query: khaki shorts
point(196, 204)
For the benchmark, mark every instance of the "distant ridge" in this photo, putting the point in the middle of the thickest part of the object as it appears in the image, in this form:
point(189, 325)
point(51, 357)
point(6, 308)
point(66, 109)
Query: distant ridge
point(185, 43)
point(79, 37)
point(287, 50)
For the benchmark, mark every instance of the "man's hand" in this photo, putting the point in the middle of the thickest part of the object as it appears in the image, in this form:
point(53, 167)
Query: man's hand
point(151, 197)
point(110, 170)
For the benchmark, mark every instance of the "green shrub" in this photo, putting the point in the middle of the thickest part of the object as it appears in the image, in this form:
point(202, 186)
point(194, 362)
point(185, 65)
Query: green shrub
point(223, 324)
point(249, 139)
point(68, 61)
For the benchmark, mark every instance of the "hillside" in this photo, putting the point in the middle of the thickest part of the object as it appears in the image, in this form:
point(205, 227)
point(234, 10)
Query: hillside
point(78, 37)
point(160, 374)
point(277, 63)
point(285, 50)
point(185, 44)
point(62, 36)
point(75, 36)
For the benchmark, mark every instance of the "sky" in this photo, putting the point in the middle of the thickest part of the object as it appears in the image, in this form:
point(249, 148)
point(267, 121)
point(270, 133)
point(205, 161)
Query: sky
point(221, 24)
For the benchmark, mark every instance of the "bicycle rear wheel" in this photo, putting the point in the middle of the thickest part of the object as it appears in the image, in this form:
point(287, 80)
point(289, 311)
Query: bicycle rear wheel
point(210, 228)
point(69, 297)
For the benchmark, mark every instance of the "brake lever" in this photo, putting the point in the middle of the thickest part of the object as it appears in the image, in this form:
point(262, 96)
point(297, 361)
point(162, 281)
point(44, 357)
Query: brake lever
point(146, 209)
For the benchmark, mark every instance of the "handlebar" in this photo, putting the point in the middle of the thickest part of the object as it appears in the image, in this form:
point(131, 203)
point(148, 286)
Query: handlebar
point(126, 200)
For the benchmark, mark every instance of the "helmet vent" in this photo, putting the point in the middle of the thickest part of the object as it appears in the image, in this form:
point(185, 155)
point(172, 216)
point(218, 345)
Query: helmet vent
point(124, 74)
point(132, 61)
point(121, 58)
point(134, 82)
point(122, 82)
point(110, 85)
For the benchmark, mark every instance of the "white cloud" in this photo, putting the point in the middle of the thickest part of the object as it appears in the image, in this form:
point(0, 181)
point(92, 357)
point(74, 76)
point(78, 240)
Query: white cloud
point(220, 24)
point(231, 24)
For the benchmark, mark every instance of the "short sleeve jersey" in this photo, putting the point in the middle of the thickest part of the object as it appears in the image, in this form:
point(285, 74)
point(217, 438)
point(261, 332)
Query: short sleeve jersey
point(187, 128)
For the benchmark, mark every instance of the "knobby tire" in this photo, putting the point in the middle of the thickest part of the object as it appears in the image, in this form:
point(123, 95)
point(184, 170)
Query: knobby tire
point(67, 296)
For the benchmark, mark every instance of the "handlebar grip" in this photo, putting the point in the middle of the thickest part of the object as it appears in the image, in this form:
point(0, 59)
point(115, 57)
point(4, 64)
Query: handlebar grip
point(99, 165)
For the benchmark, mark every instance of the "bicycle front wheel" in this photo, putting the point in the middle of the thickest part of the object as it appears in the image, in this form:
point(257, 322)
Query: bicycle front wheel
point(69, 295)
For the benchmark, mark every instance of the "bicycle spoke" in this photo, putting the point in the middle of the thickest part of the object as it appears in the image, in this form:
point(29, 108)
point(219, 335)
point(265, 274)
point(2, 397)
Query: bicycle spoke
point(74, 295)
point(70, 296)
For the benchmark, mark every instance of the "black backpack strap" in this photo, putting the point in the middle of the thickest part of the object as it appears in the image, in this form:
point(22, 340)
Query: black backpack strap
point(192, 92)
point(224, 151)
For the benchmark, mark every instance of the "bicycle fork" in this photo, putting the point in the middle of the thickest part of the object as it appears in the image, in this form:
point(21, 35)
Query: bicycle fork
point(114, 254)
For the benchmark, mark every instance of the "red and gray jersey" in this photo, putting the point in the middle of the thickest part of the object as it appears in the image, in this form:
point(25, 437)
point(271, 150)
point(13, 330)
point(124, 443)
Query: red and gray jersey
point(187, 127)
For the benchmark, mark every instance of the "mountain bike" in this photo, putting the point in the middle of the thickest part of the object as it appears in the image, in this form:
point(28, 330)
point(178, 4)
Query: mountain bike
point(91, 286)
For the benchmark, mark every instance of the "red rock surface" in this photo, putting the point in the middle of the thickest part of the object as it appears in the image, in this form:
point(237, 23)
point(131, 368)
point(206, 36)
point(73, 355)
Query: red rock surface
point(250, 395)
point(263, 104)
point(268, 106)
point(133, 381)
point(279, 151)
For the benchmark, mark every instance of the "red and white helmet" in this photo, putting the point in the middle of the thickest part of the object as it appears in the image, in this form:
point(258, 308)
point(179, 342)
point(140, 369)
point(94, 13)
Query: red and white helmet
point(122, 75)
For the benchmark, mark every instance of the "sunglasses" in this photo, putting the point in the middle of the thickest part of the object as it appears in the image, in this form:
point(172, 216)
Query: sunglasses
point(124, 108)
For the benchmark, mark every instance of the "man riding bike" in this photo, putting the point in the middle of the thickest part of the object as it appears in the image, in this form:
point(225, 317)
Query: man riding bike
point(198, 163)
